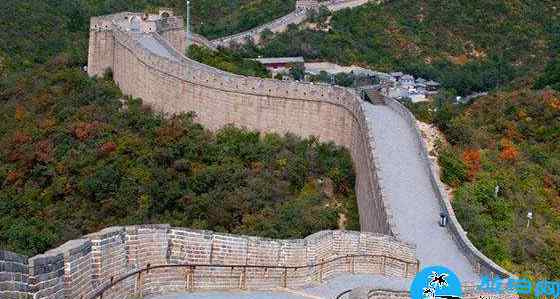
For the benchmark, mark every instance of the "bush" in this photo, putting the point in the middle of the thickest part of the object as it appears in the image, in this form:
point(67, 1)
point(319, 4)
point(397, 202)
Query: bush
point(94, 165)
point(453, 170)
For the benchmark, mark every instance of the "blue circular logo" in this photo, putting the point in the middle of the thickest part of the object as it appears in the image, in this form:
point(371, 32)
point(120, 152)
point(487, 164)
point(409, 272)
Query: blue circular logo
point(436, 282)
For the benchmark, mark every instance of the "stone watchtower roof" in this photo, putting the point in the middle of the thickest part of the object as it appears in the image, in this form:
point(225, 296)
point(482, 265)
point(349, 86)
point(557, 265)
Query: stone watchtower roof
point(274, 60)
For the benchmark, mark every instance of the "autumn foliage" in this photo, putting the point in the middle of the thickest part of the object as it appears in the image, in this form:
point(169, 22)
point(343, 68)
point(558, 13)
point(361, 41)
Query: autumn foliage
point(20, 112)
point(509, 152)
point(471, 158)
point(21, 137)
point(551, 99)
point(43, 150)
point(108, 147)
point(84, 131)
point(79, 163)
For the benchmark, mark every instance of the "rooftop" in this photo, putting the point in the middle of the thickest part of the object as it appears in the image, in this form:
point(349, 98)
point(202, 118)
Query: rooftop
point(407, 77)
point(280, 60)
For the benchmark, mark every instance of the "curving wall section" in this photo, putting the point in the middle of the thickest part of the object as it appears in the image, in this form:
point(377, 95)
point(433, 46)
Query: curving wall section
point(480, 262)
point(281, 24)
point(79, 268)
point(146, 65)
point(171, 83)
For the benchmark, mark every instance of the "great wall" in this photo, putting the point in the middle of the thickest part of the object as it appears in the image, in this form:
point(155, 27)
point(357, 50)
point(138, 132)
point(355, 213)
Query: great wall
point(278, 25)
point(146, 57)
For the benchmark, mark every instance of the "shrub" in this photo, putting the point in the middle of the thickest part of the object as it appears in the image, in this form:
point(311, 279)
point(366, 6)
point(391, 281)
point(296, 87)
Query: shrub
point(453, 170)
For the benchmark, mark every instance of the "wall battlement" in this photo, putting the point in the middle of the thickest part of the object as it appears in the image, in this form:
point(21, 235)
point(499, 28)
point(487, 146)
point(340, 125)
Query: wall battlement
point(150, 65)
point(80, 267)
point(171, 83)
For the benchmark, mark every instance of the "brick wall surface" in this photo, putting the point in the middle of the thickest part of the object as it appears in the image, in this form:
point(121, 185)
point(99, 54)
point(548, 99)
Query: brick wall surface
point(219, 98)
point(14, 276)
point(176, 84)
point(80, 268)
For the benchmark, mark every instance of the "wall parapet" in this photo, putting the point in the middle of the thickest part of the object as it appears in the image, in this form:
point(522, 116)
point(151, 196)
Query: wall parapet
point(480, 262)
point(297, 16)
point(172, 83)
point(79, 268)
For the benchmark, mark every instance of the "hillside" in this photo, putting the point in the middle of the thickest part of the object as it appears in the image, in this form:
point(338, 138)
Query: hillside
point(74, 159)
point(217, 18)
point(35, 31)
point(467, 45)
point(509, 139)
point(75, 156)
point(228, 60)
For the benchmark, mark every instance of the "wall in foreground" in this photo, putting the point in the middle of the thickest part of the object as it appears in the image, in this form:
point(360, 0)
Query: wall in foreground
point(386, 294)
point(79, 267)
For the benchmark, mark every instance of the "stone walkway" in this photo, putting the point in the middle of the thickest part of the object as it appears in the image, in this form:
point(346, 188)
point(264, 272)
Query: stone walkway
point(412, 200)
point(231, 295)
point(327, 290)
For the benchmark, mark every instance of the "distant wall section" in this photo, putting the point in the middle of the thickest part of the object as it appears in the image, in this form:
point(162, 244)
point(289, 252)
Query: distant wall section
point(297, 16)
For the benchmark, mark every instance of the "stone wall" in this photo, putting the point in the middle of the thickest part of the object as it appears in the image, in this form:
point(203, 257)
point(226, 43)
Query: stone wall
point(14, 276)
point(81, 267)
point(276, 26)
point(482, 264)
point(281, 24)
point(177, 84)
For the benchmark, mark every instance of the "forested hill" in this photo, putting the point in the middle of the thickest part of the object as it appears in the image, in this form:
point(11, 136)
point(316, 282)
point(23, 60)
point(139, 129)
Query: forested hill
point(77, 156)
point(217, 18)
point(35, 31)
point(468, 45)
point(509, 139)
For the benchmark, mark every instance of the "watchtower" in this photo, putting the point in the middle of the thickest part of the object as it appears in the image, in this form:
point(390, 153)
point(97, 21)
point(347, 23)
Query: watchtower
point(307, 4)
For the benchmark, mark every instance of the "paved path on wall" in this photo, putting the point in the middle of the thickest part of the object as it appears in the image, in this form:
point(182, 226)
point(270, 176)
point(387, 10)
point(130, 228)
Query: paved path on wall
point(327, 290)
point(343, 282)
point(231, 295)
point(411, 197)
point(280, 24)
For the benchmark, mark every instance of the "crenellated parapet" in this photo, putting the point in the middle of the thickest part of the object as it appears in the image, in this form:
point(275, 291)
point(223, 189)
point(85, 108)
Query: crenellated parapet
point(80, 268)
point(148, 65)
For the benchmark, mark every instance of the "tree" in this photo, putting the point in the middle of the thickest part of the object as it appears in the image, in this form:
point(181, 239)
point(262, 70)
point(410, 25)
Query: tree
point(266, 35)
point(297, 71)
point(551, 76)
point(454, 170)
point(471, 158)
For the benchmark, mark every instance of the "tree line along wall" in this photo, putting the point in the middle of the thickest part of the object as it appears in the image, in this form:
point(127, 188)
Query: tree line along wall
point(80, 267)
point(281, 24)
point(177, 84)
